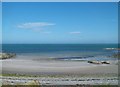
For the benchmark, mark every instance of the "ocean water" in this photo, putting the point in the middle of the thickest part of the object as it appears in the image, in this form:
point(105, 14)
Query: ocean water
point(0, 47)
point(62, 51)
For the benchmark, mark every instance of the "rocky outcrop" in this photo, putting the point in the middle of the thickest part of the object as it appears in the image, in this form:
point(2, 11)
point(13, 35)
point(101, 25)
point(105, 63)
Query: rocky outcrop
point(99, 62)
point(7, 55)
point(112, 48)
point(117, 55)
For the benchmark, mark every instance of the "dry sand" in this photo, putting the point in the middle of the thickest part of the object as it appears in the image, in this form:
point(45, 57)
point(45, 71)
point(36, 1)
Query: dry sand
point(56, 67)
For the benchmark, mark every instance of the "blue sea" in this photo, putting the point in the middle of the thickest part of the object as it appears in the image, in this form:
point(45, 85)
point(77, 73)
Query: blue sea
point(62, 51)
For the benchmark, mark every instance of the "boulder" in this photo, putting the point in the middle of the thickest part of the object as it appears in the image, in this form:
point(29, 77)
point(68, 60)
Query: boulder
point(94, 62)
point(33, 82)
point(105, 62)
point(99, 62)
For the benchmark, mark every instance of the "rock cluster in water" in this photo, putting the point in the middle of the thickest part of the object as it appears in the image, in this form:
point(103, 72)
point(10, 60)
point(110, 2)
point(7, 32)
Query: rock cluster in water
point(99, 62)
point(112, 48)
point(7, 55)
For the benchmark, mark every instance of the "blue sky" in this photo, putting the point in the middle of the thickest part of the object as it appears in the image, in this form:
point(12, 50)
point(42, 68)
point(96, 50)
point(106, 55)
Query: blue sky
point(52, 22)
point(0, 23)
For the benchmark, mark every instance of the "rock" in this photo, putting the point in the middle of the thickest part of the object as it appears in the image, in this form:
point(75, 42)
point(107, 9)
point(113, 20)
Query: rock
point(99, 62)
point(6, 83)
point(105, 62)
point(7, 55)
point(34, 82)
point(94, 62)
point(116, 55)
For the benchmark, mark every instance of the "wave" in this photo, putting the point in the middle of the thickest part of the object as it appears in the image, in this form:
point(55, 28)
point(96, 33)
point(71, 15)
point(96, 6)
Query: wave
point(111, 48)
point(85, 58)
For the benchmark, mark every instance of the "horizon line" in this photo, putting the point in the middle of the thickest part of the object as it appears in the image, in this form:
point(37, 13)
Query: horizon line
point(58, 43)
point(59, 0)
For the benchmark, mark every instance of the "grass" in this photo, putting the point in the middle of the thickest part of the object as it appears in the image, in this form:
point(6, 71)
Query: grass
point(59, 76)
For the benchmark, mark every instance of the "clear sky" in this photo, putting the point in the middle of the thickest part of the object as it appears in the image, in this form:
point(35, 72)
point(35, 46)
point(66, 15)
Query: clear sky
point(83, 22)
point(0, 24)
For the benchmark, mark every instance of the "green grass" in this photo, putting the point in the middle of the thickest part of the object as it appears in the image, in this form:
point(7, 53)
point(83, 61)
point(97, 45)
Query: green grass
point(60, 76)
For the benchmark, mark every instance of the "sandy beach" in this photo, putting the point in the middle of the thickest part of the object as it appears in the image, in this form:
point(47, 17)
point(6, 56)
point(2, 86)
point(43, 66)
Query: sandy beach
point(62, 72)
point(56, 67)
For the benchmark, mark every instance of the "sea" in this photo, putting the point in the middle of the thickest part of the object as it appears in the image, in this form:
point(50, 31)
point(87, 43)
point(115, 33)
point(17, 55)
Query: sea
point(64, 52)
